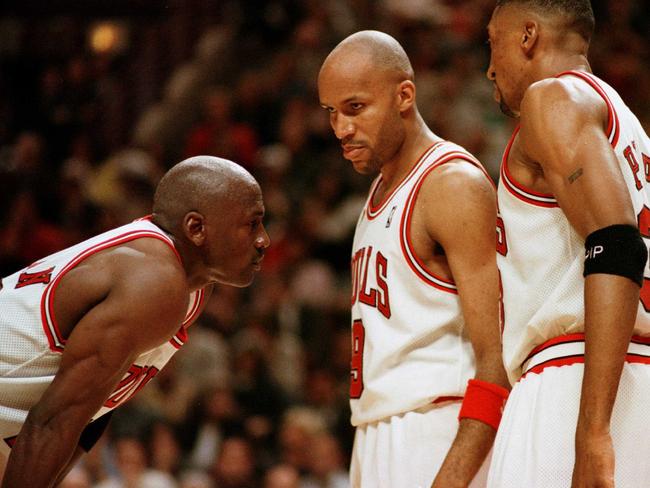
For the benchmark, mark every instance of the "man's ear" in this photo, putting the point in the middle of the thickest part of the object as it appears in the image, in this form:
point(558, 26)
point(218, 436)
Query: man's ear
point(194, 228)
point(529, 37)
point(406, 94)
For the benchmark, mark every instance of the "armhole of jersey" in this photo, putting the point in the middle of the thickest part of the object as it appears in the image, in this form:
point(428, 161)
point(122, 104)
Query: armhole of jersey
point(48, 320)
point(414, 261)
point(518, 190)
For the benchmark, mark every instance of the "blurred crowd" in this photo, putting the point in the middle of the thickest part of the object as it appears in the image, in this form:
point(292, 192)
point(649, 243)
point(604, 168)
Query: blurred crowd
point(258, 395)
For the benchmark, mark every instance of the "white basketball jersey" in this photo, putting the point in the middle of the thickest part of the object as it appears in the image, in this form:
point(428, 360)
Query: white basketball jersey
point(541, 257)
point(409, 347)
point(30, 342)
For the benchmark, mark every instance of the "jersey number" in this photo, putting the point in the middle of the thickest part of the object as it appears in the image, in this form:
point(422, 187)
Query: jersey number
point(356, 363)
point(134, 380)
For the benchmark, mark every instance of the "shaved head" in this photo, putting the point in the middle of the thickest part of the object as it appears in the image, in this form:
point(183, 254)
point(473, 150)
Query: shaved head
point(377, 49)
point(202, 184)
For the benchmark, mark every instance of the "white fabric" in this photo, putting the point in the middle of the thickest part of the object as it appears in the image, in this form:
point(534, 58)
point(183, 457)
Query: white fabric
point(534, 447)
point(407, 450)
point(30, 344)
point(542, 269)
point(415, 347)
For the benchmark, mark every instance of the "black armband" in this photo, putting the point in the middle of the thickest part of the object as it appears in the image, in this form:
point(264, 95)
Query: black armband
point(617, 250)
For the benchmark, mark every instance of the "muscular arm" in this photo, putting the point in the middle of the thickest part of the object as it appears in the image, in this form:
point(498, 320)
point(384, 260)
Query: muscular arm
point(460, 214)
point(142, 307)
point(562, 129)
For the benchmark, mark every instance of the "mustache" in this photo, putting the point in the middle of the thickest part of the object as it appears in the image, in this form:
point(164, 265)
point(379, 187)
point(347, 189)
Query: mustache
point(348, 141)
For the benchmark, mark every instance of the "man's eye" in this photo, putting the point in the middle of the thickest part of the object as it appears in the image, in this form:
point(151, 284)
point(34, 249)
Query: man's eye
point(356, 106)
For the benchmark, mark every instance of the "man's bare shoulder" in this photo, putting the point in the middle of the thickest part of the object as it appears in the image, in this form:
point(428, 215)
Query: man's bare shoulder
point(147, 267)
point(456, 179)
point(455, 194)
point(142, 278)
point(559, 98)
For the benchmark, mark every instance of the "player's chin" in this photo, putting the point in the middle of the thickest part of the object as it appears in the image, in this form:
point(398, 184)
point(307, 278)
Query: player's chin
point(248, 276)
point(363, 167)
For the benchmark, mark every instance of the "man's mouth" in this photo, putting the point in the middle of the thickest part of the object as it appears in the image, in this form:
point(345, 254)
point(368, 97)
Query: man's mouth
point(257, 263)
point(351, 150)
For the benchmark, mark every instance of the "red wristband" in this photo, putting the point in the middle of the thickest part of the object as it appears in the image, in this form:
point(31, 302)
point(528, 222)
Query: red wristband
point(483, 402)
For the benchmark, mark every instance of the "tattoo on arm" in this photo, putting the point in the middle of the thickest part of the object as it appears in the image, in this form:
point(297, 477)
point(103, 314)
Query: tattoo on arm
point(575, 175)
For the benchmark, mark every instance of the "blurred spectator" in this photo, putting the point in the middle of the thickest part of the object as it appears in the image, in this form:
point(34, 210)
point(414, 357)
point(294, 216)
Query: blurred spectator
point(133, 469)
point(299, 428)
point(218, 133)
point(282, 476)
point(195, 479)
point(216, 416)
point(326, 466)
point(78, 477)
point(165, 451)
point(234, 467)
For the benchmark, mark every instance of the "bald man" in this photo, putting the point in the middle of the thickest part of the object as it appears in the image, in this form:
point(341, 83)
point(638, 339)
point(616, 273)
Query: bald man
point(425, 288)
point(86, 328)
point(573, 196)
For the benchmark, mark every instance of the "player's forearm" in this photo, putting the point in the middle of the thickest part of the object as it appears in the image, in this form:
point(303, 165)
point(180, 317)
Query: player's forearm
point(466, 455)
point(38, 457)
point(491, 369)
point(611, 304)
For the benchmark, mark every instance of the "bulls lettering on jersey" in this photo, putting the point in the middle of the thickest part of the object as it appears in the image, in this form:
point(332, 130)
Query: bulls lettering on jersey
point(541, 259)
point(374, 295)
point(408, 341)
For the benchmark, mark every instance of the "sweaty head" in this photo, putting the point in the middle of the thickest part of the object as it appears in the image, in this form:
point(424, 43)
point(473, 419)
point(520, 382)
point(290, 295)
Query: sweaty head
point(215, 207)
point(530, 37)
point(366, 83)
point(204, 184)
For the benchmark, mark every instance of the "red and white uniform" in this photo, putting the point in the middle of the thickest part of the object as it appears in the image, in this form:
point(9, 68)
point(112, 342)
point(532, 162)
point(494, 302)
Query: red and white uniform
point(30, 342)
point(541, 260)
point(410, 352)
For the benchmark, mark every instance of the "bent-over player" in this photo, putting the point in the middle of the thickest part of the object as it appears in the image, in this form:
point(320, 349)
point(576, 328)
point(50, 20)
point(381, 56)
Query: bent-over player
point(83, 330)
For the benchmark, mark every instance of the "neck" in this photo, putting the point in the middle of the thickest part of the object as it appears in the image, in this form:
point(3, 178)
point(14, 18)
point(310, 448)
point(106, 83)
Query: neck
point(195, 278)
point(416, 142)
point(565, 53)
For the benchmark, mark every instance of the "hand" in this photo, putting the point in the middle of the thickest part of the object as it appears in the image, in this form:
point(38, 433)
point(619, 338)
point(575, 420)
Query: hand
point(594, 466)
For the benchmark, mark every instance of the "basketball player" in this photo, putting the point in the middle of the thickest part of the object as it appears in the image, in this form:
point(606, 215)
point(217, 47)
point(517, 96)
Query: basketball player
point(424, 280)
point(86, 328)
point(573, 195)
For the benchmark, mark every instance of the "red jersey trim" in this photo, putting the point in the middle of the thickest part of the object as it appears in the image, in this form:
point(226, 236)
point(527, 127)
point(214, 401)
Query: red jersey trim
point(372, 211)
point(414, 261)
point(181, 336)
point(50, 326)
point(613, 126)
point(640, 356)
point(443, 399)
point(517, 189)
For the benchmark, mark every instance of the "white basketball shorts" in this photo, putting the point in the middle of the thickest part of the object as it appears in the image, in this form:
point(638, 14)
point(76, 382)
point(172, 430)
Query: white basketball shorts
point(534, 447)
point(406, 450)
